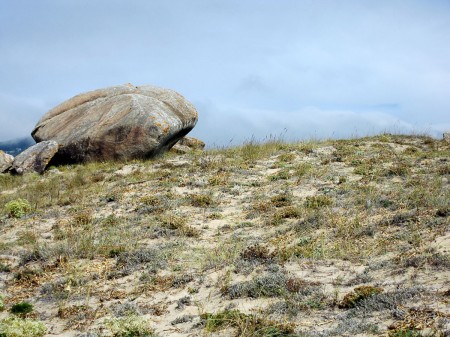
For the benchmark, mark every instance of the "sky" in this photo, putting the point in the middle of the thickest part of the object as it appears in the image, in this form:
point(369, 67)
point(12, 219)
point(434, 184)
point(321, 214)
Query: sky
point(291, 69)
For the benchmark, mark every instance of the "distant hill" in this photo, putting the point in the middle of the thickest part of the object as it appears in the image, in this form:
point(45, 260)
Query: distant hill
point(15, 146)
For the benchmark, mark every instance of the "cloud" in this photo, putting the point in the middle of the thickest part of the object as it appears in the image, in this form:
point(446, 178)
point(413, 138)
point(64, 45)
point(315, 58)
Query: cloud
point(249, 64)
point(221, 127)
point(18, 116)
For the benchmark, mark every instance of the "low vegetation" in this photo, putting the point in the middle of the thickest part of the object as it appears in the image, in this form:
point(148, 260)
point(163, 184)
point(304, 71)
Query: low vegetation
point(129, 326)
point(21, 327)
point(21, 309)
point(317, 238)
point(17, 208)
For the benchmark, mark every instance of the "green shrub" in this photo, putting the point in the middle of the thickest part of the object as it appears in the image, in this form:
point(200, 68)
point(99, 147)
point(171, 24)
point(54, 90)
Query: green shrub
point(21, 308)
point(18, 327)
point(130, 326)
point(17, 208)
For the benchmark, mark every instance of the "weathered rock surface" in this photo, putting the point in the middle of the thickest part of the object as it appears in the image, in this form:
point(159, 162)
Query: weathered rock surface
point(6, 161)
point(446, 136)
point(117, 123)
point(187, 144)
point(35, 158)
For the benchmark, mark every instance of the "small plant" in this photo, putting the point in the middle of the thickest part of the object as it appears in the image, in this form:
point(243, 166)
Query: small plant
point(342, 180)
point(281, 200)
point(17, 208)
point(404, 333)
point(75, 311)
point(319, 201)
point(4, 268)
point(151, 200)
point(21, 309)
point(399, 169)
point(443, 170)
point(306, 148)
point(363, 169)
point(294, 285)
point(172, 221)
point(302, 169)
point(290, 212)
point(429, 256)
point(201, 200)
point(286, 157)
point(215, 216)
point(214, 322)
point(82, 218)
point(13, 326)
point(111, 221)
point(246, 325)
point(182, 319)
point(178, 224)
point(2, 305)
point(256, 252)
point(115, 251)
point(153, 204)
point(130, 326)
point(219, 179)
point(269, 285)
point(410, 150)
point(153, 258)
point(359, 294)
point(261, 207)
point(281, 175)
point(189, 231)
point(443, 211)
point(254, 150)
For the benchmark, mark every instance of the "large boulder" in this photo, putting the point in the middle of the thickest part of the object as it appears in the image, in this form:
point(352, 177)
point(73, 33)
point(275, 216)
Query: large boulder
point(35, 158)
point(117, 123)
point(6, 161)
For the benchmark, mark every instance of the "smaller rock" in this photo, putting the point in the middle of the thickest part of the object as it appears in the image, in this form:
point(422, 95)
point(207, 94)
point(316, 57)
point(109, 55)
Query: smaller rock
point(6, 161)
point(192, 142)
point(180, 149)
point(54, 171)
point(188, 144)
point(35, 158)
point(446, 136)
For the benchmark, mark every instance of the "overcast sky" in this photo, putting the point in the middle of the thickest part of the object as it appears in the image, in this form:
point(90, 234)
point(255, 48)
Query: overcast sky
point(251, 67)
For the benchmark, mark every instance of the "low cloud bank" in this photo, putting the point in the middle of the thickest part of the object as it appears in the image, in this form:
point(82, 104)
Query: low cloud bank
point(224, 127)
